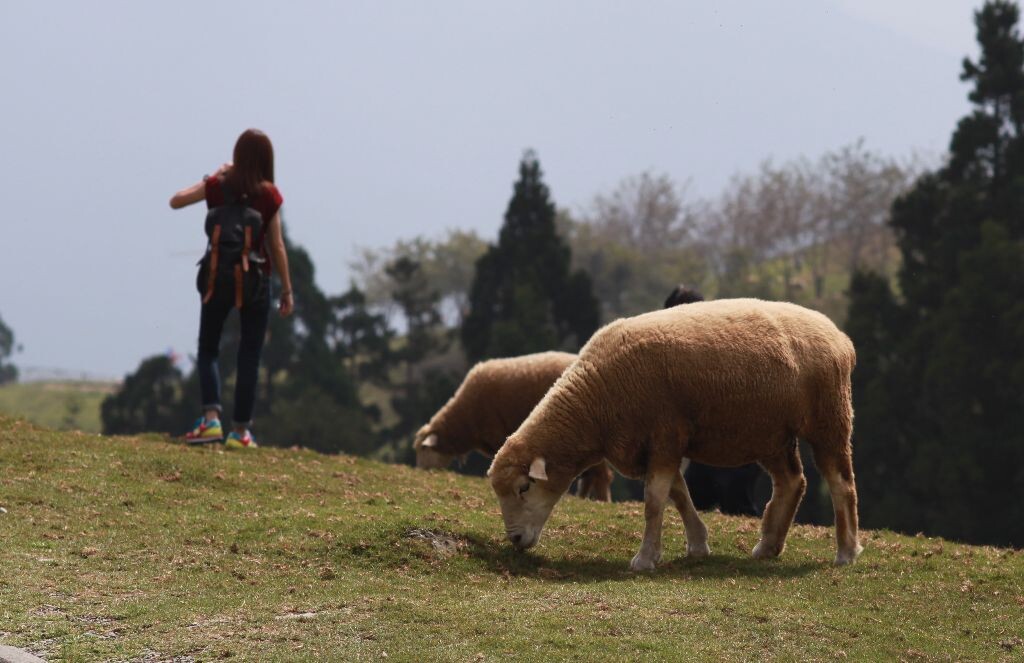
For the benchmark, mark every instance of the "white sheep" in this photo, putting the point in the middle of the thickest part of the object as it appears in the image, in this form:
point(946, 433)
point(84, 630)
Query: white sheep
point(725, 383)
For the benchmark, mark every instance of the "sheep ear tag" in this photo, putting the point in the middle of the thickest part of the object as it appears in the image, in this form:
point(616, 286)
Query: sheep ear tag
point(430, 442)
point(537, 470)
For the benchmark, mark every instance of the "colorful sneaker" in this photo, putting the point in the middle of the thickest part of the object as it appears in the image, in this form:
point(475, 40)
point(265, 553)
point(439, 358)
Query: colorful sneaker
point(236, 441)
point(205, 431)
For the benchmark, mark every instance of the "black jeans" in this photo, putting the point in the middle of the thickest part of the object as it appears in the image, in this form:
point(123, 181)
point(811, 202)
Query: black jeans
point(254, 317)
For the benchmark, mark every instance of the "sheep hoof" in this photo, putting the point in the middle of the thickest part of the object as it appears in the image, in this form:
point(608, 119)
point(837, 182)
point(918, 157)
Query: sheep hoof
point(765, 551)
point(844, 557)
point(640, 563)
point(698, 550)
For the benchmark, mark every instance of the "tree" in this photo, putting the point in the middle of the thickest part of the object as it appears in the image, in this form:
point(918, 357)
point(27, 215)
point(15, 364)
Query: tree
point(429, 380)
point(313, 418)
point(150, 399)
point(940, 422)
point(635, 243)
point(446, 264)
point(8, 371)
point(789, 229)
point(646, 212)
point(360, 337)
point(418, 302)
point(861, 186)
point(524, 298)
point(311, 397)
point(450, 267)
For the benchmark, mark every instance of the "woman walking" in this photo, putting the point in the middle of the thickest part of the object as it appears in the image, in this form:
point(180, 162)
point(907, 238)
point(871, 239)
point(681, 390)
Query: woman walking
point(246, 184)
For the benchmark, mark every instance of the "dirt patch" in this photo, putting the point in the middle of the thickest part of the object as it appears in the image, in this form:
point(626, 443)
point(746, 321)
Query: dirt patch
point(47, 610)
point(442, 543)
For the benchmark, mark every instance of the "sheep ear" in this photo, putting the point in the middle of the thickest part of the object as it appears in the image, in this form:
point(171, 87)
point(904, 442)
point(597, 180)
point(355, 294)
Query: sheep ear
point(429, 442)
point(537, 470)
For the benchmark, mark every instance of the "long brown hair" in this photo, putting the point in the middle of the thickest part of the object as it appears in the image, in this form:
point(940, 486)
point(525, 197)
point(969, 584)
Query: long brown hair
point(253, 163)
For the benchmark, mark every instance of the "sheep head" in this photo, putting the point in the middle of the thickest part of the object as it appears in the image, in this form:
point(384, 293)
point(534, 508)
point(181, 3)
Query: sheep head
point(428, 454)
point(526, 494)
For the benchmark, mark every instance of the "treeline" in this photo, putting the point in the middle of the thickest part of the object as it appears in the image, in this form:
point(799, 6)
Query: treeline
point(793, 231)
point(923, 266)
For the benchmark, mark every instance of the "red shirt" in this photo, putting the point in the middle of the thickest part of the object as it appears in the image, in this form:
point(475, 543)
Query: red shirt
point(267, 204)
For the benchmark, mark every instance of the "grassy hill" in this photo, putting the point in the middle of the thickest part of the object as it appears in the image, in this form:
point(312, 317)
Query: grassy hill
point(62, 405)
point(141, 549)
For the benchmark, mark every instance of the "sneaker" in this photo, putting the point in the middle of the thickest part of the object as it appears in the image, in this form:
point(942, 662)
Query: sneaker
point(205, 431)
point(236, 441)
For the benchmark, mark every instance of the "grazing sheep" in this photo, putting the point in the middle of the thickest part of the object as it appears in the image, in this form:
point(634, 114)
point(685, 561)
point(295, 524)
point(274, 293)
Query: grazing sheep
point(494, 398)
point(725, 383)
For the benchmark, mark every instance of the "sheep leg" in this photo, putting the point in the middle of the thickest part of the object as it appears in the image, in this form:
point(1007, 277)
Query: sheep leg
point(596, 483)
point(599, 484)
point(583, 484)
point(656, 492)
point(696, 531)
point(837, 468)
point(788, 487)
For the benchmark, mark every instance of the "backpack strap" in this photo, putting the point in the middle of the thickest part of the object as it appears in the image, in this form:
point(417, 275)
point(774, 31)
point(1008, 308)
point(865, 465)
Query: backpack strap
point(211, 278)
point(246, 248)
point(238, 287)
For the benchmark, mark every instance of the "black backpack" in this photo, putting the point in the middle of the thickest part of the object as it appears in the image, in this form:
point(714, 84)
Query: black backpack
point(231, 263)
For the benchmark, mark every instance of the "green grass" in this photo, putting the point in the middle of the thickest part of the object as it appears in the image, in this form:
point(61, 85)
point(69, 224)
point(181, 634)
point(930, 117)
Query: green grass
point(128, 548)
point(59, 405)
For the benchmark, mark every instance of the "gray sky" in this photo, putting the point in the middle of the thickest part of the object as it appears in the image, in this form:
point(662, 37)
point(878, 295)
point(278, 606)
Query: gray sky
point(392, 119)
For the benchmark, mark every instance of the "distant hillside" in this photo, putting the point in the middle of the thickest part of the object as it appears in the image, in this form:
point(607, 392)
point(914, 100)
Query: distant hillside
point(64, 405)
point(140, 549)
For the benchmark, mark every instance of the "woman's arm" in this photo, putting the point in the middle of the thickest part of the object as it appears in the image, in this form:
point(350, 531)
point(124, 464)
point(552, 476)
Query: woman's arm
point(280, 261)
point(196, 192)
point(192, 194)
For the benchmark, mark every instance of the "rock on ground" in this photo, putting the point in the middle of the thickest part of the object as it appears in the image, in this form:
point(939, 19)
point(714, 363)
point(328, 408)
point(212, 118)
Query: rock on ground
point(15, 655)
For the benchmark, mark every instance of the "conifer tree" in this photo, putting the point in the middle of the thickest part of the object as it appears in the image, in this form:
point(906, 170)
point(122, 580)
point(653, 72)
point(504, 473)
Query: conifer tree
point(524, 298)
point(939, 388)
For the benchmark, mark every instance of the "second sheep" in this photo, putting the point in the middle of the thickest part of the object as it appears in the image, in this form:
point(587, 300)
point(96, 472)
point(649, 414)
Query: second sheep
point(495, 397)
